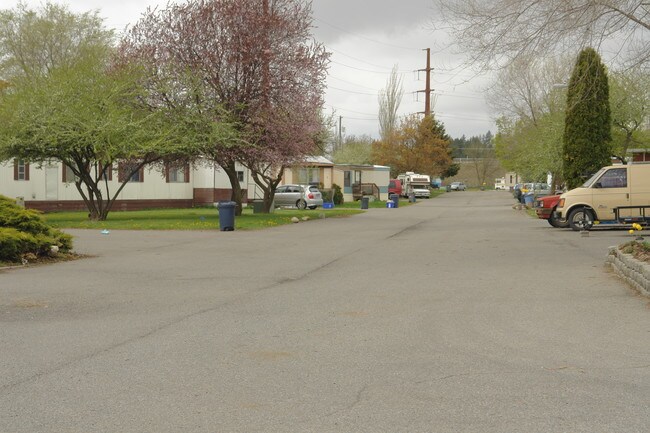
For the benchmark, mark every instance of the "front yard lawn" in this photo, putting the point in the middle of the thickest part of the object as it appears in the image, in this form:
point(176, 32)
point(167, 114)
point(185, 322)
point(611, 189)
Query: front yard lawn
point(186, 219)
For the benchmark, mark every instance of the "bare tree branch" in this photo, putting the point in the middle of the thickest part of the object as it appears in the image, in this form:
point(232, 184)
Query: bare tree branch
point(495, 33)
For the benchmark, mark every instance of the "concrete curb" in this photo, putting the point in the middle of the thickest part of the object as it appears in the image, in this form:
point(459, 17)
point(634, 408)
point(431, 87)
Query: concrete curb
point(635, 272)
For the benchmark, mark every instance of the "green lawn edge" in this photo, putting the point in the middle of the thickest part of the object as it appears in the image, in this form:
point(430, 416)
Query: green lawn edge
point(204, 218)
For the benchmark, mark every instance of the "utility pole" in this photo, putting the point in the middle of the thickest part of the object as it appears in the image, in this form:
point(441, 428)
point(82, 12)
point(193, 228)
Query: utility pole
point(427, 91)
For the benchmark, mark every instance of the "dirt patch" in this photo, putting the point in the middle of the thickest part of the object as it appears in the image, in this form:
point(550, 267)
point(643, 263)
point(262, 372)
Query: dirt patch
point(45, 260)
point(25, 304)
point(640, 250)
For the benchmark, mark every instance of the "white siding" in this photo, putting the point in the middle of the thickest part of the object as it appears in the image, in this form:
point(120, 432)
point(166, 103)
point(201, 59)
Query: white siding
point(155, 186)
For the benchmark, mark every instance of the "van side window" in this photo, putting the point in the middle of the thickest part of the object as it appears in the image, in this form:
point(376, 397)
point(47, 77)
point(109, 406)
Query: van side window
point(614, 178)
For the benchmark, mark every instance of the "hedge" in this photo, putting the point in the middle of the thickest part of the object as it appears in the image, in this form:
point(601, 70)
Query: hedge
point(23, 231)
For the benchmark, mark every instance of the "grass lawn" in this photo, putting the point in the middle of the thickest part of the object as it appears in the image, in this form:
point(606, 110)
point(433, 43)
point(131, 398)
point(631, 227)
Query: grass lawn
point(186, 219)
point(203, 218)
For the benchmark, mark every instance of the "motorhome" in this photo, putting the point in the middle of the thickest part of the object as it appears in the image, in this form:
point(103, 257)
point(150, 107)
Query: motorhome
point(418, 184)
point(615, 194)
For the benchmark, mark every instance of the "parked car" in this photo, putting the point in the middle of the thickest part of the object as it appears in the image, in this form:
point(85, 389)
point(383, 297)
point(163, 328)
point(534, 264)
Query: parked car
point(457, 186)
point(539, 189)
point(545, 209)
point(535, 190)
point(300, 196)
point(395, 187)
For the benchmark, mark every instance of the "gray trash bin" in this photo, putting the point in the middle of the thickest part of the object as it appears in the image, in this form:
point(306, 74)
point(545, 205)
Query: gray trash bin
point(364, 202)
point(227, 215)
point(395, 199)
point(258, 206)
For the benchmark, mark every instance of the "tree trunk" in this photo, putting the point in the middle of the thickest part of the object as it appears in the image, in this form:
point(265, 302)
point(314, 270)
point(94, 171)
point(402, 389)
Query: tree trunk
point(236, 195)
point(268, 200)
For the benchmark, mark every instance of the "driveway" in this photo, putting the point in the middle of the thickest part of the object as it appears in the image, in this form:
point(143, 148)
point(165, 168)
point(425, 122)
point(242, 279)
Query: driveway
point(458, 314)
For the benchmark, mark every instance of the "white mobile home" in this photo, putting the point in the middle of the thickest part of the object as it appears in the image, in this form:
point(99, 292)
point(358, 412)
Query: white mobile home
point(51, 187)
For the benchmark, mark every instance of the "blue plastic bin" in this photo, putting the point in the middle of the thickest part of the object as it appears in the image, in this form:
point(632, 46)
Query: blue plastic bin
point(227, 215)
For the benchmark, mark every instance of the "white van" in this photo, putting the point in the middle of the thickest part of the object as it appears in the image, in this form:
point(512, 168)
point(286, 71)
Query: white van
point(617, 193)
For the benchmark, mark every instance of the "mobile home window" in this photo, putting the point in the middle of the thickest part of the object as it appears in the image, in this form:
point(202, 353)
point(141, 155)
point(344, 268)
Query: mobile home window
point(68, 174)
point(21, 169)
point(308, 175)
point(347, 179)
point(177, 175)
point(124, 168)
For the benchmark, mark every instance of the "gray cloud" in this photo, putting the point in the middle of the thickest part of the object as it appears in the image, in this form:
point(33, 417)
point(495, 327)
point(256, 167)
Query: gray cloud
point(337, 18)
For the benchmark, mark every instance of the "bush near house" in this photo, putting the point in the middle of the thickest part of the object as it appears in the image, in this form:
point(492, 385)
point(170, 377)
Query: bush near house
point(24, 233)
point(338, 195)
point(332, 195)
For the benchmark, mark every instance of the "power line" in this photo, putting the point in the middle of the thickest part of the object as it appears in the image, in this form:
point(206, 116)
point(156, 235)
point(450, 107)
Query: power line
point(368, 70)
point(361, 119)
point(349, 82)
point(453, 95)
point(363, 61)
point(363, 37)
point(352, 111)
point(452, 116)
point(352, 91)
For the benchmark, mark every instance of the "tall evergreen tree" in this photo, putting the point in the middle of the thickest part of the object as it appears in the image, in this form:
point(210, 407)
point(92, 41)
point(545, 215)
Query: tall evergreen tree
point(587, 130)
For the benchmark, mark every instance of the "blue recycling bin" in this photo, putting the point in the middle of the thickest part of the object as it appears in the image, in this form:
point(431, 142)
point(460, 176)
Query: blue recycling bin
point(227, 215)
point(395, 199)
point(529, 199)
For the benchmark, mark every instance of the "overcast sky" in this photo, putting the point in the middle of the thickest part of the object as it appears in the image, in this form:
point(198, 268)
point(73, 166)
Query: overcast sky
point(366, 38)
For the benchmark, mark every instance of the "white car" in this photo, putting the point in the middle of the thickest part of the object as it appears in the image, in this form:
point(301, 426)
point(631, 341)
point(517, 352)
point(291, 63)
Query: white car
point(458, 186)
point(300, 196)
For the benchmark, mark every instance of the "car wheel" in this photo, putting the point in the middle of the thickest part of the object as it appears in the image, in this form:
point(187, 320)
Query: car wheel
point(301, 204)
point(557, 222)
point(580, 219)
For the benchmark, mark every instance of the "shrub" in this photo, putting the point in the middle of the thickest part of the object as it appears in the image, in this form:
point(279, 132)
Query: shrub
point(23, 231)
point(338, 195)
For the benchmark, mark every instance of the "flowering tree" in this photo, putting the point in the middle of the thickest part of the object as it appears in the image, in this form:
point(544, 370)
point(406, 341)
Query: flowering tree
point(249, 60)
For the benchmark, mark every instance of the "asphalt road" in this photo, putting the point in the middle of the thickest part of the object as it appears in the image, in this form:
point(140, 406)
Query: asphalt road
point(458, 314)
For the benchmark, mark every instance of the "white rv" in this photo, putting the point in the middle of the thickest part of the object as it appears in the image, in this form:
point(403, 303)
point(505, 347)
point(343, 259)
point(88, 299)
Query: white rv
point(418, 184)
